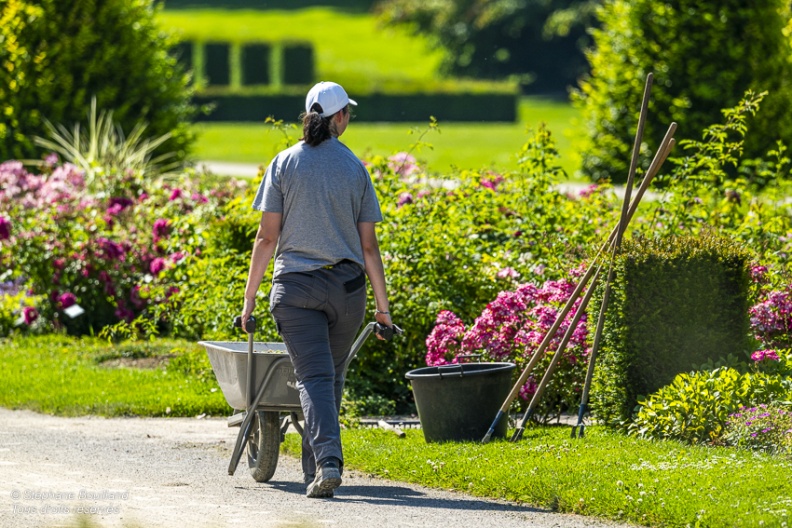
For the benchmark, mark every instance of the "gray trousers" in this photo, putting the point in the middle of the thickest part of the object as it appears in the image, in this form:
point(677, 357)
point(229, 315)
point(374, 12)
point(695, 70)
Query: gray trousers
point(318, 315)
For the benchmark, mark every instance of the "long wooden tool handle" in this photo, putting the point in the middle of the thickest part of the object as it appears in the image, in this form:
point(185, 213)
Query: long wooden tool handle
point(660, 156)
point(554, 361)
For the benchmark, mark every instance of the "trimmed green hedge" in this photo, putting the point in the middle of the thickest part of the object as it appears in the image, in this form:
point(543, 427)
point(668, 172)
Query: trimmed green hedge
point(256, 61)
point(676, 304)
point(217, 63)
point(298, 64)
point(373, 107)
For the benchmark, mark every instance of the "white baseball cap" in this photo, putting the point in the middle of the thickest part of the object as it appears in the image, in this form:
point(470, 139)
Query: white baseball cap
point(330, 96)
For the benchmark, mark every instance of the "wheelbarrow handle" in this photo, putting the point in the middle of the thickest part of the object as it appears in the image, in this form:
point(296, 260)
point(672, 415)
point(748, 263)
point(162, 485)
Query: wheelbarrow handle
point(387, 332)
point(250, 325)
point(379, 329)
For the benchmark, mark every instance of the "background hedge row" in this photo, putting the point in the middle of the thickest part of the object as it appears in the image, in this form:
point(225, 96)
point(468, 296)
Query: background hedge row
point(252, 63)
point(372, 107)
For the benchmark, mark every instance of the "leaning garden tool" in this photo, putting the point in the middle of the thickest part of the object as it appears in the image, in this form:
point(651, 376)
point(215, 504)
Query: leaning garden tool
point(581, 309)
point(614, 248)
point(538, 354)
point(664, 150)
point(578, 428)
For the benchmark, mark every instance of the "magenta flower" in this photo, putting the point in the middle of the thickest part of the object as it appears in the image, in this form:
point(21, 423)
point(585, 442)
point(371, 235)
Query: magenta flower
point(507, 273)
point(444, 342)
point(588, 191)
point(161, 228)
point(157, 265)
point(758, 273)
point(511, 327)
point(117, 205)
point(491, 181)
point(5, 228)
point(404, 199)
point(175, 195)
point(66, 299)
point(771, 319)
point(29, 314)
point(110, 250)
point(124, 314)
point(402, 164)
point(763, 355)
point(200, 198)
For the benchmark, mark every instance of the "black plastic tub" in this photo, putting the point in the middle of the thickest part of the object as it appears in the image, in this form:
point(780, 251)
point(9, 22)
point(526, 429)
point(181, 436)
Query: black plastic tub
point(459, 402)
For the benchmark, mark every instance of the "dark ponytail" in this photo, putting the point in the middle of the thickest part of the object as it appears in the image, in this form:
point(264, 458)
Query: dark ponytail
point(316, 128)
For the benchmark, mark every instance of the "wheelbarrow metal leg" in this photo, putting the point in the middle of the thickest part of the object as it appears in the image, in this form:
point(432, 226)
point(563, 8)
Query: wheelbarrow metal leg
point(244, 430)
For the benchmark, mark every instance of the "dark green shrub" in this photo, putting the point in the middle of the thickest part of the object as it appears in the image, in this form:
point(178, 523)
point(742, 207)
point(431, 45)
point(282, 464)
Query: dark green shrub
point(696, 407)
point(704, 56)
point(676, 303)
point(217, 63)
point(373, 107)
point(183, 52)
point(498, 38)
point(57, 55)
point(256, 63)
point(298, 64)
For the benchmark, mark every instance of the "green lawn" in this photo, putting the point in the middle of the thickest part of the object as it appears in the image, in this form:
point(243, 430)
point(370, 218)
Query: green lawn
point(351, 48)
point(354, 50)
point(465, 145)
point(605, 474)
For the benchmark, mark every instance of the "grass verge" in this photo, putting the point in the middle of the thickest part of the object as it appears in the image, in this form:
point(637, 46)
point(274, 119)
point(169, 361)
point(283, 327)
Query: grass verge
point(72, 377)
point(462, 145)
point(604, 475)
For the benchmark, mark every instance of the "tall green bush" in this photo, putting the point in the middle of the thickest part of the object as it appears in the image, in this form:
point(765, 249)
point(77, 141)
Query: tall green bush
point(676, 303)
point(55, 56)
point(704, 56)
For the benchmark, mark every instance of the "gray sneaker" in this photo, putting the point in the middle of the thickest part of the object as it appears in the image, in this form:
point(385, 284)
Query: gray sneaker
point(327, 479)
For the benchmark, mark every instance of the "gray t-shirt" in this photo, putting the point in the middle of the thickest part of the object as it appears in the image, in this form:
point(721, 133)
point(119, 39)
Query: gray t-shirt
point(322, 192)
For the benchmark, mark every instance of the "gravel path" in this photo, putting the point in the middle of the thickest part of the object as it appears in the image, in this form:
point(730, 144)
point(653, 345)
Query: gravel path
point(173, 473)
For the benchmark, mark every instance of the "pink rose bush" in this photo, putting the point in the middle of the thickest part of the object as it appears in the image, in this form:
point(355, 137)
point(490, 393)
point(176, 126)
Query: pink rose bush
point(771, 323)
point(771, 318)
point(511, 328)
point(100, 247)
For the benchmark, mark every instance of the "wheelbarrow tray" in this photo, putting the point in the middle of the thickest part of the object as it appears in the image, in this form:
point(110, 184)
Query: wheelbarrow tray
point(229, 362)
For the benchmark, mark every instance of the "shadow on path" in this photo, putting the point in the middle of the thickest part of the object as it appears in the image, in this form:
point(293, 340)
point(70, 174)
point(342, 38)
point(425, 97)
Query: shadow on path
point(394, 495)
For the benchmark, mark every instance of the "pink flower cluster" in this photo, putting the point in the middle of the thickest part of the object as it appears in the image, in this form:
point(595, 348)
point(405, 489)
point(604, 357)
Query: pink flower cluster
point(762, 355)
point(67, 237)
point(758, 273)
point(771, 319)
point(511, 327)
point(491, 181)
point(403, 164)
point(63, 186)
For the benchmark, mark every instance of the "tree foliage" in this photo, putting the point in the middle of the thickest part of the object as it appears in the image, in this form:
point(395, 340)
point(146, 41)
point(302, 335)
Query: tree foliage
point(704, 55)
point(495, 38)
point(55, 56)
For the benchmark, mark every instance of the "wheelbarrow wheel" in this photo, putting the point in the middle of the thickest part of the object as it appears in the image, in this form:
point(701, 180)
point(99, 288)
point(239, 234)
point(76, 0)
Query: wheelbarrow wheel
point(264, 445)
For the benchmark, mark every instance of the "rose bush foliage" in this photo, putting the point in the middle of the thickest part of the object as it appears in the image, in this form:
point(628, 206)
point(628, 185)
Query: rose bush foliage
point(176, 251)
point(70, 245)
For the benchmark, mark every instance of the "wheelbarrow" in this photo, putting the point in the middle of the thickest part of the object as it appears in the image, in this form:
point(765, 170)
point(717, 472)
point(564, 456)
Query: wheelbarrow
point(258, 382)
